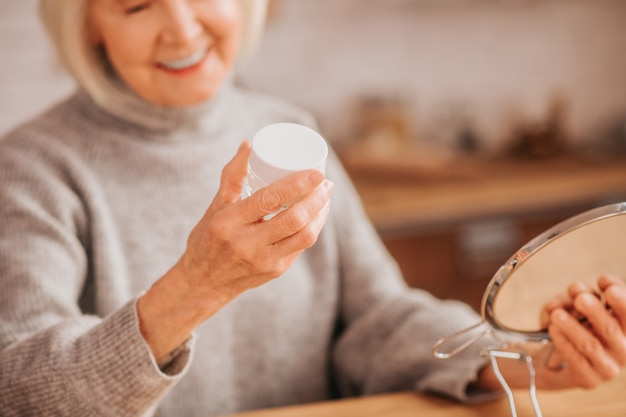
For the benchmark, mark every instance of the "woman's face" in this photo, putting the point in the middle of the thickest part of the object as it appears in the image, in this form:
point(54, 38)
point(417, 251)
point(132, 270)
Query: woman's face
point(170, 52)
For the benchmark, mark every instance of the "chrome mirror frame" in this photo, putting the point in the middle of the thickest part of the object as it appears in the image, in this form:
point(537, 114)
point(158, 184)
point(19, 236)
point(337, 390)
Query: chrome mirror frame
point(526, 252)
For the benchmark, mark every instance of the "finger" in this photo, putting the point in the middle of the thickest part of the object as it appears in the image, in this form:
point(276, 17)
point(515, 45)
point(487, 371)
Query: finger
point(298, 215)
point(603, 324)
point(578, 367)
point(577, 288)
point(233, 176)
point(560, 301)
point(586, 345)
point(615, 296)
point(306, 237)
point(272, 198)
point(285, 252)
point(606, 281)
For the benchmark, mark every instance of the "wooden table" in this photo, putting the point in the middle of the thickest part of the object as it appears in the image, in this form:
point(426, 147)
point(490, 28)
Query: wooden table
point(609, 400)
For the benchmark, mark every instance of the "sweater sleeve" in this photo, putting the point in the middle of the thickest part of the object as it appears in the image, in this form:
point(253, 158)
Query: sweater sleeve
point(55, 359)
point(388, 330)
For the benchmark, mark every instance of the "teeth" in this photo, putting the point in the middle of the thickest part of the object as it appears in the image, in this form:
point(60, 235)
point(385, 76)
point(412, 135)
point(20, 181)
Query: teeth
point(186, 62)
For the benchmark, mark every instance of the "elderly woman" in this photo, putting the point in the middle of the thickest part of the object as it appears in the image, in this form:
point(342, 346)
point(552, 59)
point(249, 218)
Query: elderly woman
point(134, 281)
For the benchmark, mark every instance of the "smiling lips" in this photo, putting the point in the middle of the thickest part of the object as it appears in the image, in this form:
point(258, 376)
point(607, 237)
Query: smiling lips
point(186, 64)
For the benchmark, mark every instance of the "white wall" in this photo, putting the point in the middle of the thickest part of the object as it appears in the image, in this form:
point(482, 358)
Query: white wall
point(497, 58)
point(30, 79)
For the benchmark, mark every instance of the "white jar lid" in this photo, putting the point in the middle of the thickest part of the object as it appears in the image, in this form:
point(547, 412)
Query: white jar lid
point(280, 149)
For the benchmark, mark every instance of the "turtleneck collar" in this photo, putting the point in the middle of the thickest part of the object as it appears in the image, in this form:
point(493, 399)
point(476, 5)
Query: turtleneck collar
point(135, 112)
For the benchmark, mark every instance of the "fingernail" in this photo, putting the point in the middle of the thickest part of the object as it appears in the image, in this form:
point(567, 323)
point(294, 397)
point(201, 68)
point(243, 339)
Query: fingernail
point(328, 185)
point(618, 292)
point(559, 316)
point(586, 299)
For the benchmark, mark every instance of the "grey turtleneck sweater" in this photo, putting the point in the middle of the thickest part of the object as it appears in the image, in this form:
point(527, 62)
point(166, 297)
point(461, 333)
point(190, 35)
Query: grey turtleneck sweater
point(94, 207)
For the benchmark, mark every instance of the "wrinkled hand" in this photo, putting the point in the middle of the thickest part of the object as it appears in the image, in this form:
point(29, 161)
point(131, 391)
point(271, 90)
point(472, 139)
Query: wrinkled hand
point(232, 249)
point(588, 331)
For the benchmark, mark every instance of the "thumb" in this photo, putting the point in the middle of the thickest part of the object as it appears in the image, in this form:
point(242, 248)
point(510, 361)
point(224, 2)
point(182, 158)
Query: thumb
point(233, 176)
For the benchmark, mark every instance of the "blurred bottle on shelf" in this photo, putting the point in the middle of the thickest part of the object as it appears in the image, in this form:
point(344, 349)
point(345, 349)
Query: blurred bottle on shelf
point(544, 138)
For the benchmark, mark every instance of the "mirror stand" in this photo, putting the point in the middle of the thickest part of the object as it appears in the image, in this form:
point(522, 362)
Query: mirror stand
point(521, 355)
point(459, 341)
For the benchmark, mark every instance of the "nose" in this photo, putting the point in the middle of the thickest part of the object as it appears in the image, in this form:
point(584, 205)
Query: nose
point(181, 25)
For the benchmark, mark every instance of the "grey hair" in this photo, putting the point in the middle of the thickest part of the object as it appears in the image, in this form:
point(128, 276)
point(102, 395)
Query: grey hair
point(68, 27)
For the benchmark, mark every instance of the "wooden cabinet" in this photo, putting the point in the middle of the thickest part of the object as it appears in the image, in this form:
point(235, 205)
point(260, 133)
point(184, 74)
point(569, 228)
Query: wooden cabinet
point(458, 261)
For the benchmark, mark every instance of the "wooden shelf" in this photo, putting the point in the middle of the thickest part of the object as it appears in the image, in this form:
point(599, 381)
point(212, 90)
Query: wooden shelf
point(486, 189)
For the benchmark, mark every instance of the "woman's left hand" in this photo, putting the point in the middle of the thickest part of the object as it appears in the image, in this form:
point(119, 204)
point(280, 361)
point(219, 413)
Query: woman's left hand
point(588, 347)
point(588, 331)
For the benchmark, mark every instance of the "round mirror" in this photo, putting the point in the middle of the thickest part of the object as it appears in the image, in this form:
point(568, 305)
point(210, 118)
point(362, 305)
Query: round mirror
point(581, 248)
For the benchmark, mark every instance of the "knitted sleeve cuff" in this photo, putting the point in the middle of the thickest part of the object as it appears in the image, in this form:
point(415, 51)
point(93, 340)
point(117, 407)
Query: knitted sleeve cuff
point(128, 376)
point(176, 361)
point(173, 364)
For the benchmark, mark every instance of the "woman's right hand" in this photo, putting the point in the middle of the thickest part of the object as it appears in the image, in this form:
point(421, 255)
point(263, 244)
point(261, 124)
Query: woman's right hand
point(233, 249)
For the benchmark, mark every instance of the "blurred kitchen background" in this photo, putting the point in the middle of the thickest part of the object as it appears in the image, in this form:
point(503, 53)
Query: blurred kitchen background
point(468, 126)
